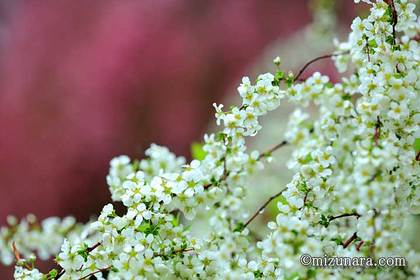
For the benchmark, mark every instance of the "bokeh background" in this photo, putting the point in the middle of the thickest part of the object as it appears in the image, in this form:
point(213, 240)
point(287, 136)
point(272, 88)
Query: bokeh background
point(83, 81)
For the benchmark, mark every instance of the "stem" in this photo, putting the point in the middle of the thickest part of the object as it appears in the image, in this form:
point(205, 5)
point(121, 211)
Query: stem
point(93, 247)
point(316, 59)
point(176, 252)
point(394, 17)
point(357, 215)
point(273, 149)
point(226, 172)
point(263, 207)
point(350, 240)
point(90, 249)
point(377, 131)
point(93, 273)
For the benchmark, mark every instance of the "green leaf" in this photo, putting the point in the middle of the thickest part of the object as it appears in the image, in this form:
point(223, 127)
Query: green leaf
point(175, 221)
point(239, 227)
point(278, 77)
point(52, 273)
point(329, 85)
point(197, 151)
point(83, 251)
point(417, 144)
point(372, 43)
point(324, 221)
point(338, 240)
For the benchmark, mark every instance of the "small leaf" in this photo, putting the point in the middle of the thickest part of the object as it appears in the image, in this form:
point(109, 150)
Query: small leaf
point(239, 227)
point(197, 151)
point(52, 274)
point(417, 144)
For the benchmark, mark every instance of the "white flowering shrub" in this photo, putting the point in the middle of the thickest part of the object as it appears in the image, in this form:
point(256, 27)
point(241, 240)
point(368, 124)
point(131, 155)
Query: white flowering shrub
point(356, 177)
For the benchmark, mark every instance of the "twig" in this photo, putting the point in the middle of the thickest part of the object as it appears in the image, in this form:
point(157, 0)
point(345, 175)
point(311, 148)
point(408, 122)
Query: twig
point(377, 131)
point(391, 4)
point(273, 149)
point(93, 273)
point(93, 247)
point(15, 251)
point(350, 240)
point(332, 218)
point(226, 172)
point(316, 59)
point(359, 245)
point(263, 207)
point(89, 249)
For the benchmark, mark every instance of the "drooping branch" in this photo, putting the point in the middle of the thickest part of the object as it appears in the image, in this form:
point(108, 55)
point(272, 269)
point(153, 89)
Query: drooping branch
point(273, 149)
point(332, 218)
point(316, 59)
point(88, 250)
point(97, 271)
point(391, 4)
point(262, 208)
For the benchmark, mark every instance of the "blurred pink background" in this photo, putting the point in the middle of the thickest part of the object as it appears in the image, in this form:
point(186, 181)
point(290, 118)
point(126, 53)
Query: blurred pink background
point(83, 81)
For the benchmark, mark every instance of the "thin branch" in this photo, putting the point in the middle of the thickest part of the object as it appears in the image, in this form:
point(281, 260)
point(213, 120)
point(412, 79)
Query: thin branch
point(358, 246)
point(89, 249)
point(377, 131)
point(332, 218)
point(266, 153)
point(316, 59)
point(15, 251)
point(350, 240)
point(97, 271)
point(93, 247)
point(176, 252)
point(391, 4)
point(273, 149)
point(262, 207)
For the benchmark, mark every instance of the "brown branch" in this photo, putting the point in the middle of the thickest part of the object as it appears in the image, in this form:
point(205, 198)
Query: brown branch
point(93, 247)
point(262, 208)
point(97, 271)
point(391, 4)
point(270, 151)
point(358, 246)
point(377, 131)
point(350, 240)
point(15, 251)
point(273, 149)
point(89, 249)
point(176, 252)
point(316, 59)
point(332, 218)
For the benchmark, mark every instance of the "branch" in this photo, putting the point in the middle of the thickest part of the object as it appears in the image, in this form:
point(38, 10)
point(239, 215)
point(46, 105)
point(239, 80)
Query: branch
point(391, 4)
point(93, 247)
point(176, 252)
point(266, 153)
point(316, 59)
point(350, 240)
point(262, 208)
point(377, 130)
point(97, 271)
point(89, 249)
point(332, 218)
point(273, 149)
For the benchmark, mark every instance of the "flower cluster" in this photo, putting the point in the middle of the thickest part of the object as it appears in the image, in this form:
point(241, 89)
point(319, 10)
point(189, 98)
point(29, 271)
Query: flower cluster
point(356, 176)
